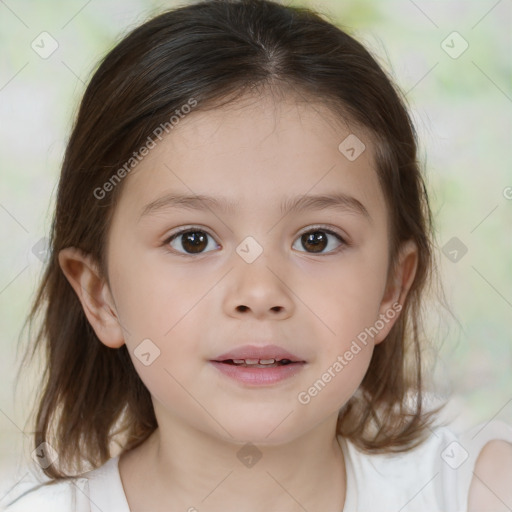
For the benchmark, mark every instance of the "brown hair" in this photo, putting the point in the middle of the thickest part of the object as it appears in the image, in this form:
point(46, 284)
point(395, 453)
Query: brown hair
point(214, 52)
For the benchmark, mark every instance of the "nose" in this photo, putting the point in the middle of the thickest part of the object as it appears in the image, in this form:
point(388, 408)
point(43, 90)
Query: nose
point(258, 290)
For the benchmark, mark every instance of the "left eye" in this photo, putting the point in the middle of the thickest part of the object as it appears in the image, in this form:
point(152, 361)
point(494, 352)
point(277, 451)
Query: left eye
point(195, 241)
point(318, 239)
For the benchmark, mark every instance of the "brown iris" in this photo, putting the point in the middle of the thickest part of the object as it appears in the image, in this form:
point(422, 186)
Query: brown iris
point(194, 241)
point(317, 239)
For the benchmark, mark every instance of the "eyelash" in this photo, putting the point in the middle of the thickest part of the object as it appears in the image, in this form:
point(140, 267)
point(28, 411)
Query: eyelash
point(312, 229)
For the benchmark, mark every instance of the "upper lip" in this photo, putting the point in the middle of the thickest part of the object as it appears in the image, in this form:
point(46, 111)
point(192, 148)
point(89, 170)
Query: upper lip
point(259, 352)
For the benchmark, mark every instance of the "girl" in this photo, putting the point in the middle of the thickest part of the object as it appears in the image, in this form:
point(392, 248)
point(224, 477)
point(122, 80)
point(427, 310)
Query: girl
point(240, 249)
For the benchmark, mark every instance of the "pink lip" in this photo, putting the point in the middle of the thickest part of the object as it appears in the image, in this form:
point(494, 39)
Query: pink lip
point(258, 376)
point(255, 352)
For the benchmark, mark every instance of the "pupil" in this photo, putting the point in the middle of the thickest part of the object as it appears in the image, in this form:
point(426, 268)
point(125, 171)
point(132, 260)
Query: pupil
point(317, 239)
point(197, 240)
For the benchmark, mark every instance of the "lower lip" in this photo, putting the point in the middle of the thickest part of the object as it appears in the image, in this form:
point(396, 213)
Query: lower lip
point(259, 376)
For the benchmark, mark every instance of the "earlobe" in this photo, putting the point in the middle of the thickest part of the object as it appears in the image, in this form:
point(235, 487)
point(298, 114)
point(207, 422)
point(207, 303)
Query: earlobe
point(94, 295)
point(398, 287)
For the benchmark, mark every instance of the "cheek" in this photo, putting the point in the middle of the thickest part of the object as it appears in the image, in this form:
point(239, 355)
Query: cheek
point(153, 297)
point(170, 305)
point(345, 295)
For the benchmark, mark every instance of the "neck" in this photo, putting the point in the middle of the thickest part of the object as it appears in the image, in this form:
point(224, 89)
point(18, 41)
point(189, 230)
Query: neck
point(190, 470)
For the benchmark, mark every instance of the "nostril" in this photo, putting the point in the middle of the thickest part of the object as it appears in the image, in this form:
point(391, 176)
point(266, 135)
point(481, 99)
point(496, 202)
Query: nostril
point(242, 308)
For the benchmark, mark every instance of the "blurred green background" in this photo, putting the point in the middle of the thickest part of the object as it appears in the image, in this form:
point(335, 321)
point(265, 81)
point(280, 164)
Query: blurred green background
point(459, 90)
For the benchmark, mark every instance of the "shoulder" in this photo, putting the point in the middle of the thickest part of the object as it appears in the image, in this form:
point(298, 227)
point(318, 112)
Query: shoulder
point(491, 485)
point(100, 489)
point(448, 471)
point(409, 480)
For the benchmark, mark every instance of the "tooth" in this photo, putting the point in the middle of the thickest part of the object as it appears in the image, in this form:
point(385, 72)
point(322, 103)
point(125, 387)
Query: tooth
point(251, 361)
point(238, 361)
point(267, 361)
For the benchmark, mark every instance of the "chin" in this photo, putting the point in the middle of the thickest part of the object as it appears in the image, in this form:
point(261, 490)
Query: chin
point(261, 431)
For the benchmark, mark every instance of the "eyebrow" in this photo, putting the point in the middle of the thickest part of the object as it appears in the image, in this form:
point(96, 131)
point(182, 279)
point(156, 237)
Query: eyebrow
point(337, 201)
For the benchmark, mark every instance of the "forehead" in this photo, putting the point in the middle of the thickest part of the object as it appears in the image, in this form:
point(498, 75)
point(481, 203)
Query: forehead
point(257, 152)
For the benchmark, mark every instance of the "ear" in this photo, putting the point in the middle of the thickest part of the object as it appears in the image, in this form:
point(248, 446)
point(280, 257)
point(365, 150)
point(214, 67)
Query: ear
point(94, 294)
point(397, 288)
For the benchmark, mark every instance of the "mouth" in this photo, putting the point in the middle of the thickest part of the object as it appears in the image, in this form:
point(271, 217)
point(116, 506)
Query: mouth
point(258, 366)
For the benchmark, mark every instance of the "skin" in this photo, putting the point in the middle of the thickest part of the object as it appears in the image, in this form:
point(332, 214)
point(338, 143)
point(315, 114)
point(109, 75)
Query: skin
point(312, 304)
point(490, 488)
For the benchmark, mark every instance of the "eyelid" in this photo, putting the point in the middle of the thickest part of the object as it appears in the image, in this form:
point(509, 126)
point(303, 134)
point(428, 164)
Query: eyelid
point(327, 229)
point(184, 229)
point(306, 229)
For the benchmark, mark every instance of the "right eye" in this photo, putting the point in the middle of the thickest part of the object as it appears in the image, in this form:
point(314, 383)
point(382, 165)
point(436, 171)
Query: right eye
point(191, 240)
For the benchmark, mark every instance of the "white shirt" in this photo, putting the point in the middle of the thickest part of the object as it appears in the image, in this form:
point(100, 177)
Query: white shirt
point(433, 477)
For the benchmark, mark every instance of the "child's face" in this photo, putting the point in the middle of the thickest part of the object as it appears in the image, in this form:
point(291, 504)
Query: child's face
point(195, 307)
